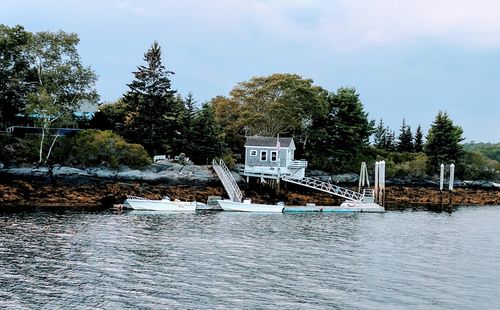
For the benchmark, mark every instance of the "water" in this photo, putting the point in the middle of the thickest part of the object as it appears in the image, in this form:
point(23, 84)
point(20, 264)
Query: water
point(396, 260)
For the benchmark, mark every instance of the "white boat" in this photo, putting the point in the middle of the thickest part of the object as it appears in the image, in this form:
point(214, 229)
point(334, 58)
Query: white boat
point(248, 206)
point(165, 204)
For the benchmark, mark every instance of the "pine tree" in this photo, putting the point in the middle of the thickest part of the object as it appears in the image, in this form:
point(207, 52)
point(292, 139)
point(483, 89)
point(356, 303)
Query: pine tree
point(405, 138)
point(206, 136)
point(443, 141)
point(390, 142)
point(379, 136)
point(341, 134)
point(186, 122)
point(418, 144)
point(153, 110)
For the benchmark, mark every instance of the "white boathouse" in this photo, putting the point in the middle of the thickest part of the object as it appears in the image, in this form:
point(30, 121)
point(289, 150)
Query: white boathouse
point(272, 158)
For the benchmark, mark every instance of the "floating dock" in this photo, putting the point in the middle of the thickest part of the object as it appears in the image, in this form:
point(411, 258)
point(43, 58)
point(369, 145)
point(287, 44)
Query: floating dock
point(345, 207)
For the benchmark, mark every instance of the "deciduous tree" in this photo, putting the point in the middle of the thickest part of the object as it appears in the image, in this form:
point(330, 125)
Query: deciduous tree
point(279, 103)
point(62, 82)
point(16, 72)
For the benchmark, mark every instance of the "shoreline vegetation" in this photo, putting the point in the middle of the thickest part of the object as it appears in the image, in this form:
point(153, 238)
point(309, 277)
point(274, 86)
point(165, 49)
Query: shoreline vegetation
point(47, 89)
point(72, 188)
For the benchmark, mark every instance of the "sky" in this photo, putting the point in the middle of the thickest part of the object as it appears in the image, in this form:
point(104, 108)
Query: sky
point(407, 59)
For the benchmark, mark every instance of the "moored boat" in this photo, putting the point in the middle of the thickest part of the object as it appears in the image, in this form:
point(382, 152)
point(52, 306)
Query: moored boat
point(165, 204)
point(248, 206)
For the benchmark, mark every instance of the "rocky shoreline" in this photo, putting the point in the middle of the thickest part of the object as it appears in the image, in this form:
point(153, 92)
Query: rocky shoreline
point(97, 188)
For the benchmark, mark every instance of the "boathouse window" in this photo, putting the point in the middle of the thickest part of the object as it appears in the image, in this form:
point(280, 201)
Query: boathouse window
point(253, 152)
point(263, 155)
point(274, 156)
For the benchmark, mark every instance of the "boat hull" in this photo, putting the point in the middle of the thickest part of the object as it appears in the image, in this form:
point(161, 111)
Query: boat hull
point(161, 205)
point(228, 205)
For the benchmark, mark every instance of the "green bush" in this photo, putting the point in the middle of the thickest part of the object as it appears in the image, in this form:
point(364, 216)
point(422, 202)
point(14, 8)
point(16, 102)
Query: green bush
point(95, 147)
point(229, 159)
point(414, 168)
point(19, 151)
point(476, 166)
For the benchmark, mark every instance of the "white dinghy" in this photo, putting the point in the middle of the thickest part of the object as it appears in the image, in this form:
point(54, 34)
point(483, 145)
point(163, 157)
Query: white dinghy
point(248, 206)
point(165, 204)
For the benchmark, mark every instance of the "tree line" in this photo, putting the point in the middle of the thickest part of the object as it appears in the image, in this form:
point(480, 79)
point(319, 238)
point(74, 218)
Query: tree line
point(41, 77)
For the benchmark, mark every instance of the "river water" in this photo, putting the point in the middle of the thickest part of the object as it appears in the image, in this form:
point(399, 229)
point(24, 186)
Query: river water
point(148, 260)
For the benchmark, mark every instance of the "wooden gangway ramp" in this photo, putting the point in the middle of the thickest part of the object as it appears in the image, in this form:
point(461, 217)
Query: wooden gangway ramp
point(228, 181)
point(326, 187)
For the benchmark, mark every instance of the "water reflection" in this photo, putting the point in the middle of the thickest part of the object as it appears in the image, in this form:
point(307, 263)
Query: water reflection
point(245, 260)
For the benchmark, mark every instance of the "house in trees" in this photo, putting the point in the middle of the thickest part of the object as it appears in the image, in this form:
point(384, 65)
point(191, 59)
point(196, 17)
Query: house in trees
point(272, 158)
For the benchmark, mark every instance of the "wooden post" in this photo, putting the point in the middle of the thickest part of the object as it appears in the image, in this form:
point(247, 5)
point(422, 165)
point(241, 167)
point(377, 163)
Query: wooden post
point(450, 185)
point(441, 182)
point(375, 188)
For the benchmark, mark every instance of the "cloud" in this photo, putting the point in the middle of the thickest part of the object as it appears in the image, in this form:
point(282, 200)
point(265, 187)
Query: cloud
point(339, 23)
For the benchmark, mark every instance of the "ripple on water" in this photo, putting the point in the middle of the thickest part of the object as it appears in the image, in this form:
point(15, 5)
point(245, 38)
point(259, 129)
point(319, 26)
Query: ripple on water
point(239, 260)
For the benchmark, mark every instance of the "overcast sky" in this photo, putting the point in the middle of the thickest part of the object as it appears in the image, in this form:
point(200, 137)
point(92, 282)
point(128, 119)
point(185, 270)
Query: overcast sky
point(407, 59)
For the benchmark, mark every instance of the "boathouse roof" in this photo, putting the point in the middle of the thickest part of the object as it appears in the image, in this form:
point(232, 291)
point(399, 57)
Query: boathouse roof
point(267, 141)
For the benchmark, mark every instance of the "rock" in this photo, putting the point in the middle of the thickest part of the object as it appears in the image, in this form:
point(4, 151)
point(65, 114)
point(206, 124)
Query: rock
point(69, 172)
point(102, 173)
point(346, 178)
point(130, 175)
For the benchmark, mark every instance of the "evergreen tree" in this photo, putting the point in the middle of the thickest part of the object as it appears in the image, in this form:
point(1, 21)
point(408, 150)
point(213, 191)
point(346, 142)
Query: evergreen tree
point(340, 135)
point(405, 138)
point(153, 110)
point(390, 140)
point(443, 141)
point(418, 145)
point(379, 136)
point(206, 136)
point(186, 122)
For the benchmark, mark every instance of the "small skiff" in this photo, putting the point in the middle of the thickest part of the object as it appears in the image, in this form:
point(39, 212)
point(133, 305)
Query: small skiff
point(248, 206)
point(165, 204)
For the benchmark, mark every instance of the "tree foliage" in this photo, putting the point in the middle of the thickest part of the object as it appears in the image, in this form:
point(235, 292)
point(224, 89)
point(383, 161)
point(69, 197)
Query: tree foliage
point(16, 72)
point(490, 150)
point(62, 82)
point(152, 109)
point(341, 134)
point(418, 144)
point(105, 148)
point(186, 121)
point(110, 116)
point(443, 141)
point(476, 166)
point(206, 136)
point(379, 135)
point(405, 143)
point(276, 104)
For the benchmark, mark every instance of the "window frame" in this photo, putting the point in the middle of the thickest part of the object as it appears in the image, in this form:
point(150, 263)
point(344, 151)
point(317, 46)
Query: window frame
point(263, 154)
point(275, 153)
point(253, 153)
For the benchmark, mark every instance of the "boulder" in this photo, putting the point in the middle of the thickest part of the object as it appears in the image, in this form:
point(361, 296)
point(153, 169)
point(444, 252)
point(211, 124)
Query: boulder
point(69, 172)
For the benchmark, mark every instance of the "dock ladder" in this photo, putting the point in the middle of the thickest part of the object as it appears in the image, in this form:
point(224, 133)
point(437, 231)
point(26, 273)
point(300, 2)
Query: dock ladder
point(227, 179)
